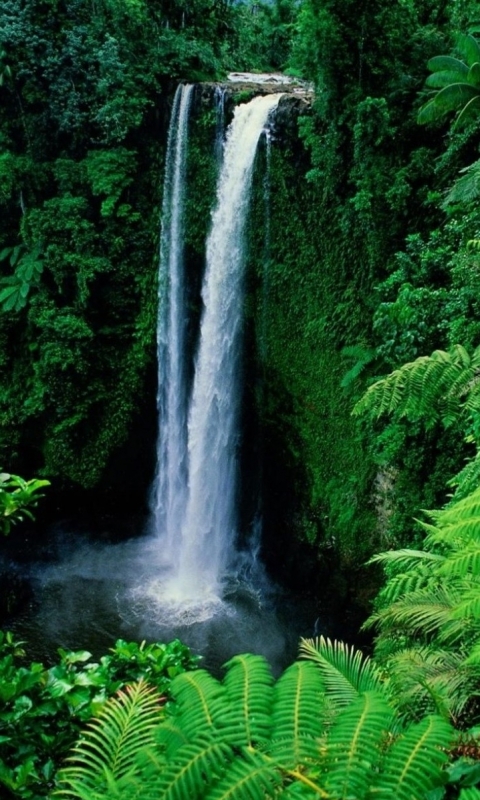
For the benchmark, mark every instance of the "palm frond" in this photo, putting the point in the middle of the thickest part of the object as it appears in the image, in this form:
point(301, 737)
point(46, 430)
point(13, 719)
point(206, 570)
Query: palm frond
point(412, 766)
point(297, 714)
point(111, 744)
point(249, 686)
point(346, 672)
point(353, 745)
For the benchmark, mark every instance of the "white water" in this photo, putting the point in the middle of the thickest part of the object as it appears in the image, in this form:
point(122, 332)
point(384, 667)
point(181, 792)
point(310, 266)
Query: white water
point(198, 530)
point(170, 486)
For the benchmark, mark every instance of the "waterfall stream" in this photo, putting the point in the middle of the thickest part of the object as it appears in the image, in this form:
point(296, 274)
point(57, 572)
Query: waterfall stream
point(92, 584)
point(197, 463)
point(169, 495)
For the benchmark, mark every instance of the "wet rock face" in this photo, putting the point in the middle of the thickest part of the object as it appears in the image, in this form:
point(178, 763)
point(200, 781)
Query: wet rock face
point(297, 99)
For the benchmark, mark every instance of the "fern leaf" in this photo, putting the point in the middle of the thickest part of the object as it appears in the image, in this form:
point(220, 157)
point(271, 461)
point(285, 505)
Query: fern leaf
point(297, 715)
point(346, 672)
point(200, 702)
point(469, 606)
point(422, 611)
point(470, 794)
point(427, 680)
point(406, 558)
point(170, 737)
point(112, 743)
point(413, 765)
point(353, 745)
point(251, 777)
point(465, 561)
point(194, 768)
point(249, 686)
point(402, 584)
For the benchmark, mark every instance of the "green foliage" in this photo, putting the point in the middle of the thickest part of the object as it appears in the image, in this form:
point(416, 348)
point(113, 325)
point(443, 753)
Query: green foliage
point(428, 615)
point(42, 710)
point(28, 269)
point(304, 751)
point(107, 752)
point(456, 84)
point(17, 498)
point(432, 388)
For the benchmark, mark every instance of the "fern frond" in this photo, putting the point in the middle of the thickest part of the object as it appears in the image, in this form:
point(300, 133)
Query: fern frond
point(195, 768)
point(112, 743)
point(400, 585)
point(346, 672)
point(464, 562)
point(430, 679)
point(251, 777)
point(466, 510)
point(467, 188)
point(170, 738)
point(406, 558)
point(430, 388)
point(200, 702)
point(469, 605)
point(353, 745)
point(297, 715)
point(423, 611)
point(470, 794)
point(249, 686)
point(413, 763)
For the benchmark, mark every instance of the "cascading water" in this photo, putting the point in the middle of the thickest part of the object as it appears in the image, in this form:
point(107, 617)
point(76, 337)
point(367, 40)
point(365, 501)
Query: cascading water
point(196, 516)
point(170, 487)
point(219, 99)
point(156, 588)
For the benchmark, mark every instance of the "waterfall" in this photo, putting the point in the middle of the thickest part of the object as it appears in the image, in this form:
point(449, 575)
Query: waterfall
point(200, 544)
point(219, 99)
point(171, 478)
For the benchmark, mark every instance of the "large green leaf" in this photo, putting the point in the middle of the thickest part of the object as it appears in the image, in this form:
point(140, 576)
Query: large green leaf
point(249, 685)
point(297, 714)
point(468, 47)
point(354, 744)
point(200, 702)
point(448, 64)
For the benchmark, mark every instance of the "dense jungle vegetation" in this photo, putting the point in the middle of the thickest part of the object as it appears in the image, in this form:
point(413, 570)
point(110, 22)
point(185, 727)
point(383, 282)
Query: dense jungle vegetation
point(369, 403)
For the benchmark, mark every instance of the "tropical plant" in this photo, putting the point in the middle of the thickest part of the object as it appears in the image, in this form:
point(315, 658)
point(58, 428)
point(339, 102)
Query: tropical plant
point(251, 737)
point(428, 616)
point(42, 710)
point(436, 388)
point(455, 84)
point(17, 497)
point(28, 267)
